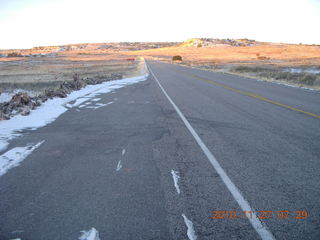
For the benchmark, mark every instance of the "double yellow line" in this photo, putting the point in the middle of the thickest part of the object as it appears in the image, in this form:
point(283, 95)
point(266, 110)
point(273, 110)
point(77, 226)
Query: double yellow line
point(249, 94)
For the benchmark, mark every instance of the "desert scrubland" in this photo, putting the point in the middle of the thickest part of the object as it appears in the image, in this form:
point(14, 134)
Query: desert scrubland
point(296, 64)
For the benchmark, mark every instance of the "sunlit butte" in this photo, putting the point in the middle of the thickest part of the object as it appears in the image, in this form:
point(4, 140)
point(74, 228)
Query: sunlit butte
point(30, 23)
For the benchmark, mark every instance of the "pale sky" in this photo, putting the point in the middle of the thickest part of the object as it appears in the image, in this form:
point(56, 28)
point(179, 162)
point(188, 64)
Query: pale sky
point(29, 23)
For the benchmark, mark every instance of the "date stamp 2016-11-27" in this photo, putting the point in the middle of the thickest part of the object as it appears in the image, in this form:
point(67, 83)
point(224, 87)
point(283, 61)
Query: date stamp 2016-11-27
point(264, 214)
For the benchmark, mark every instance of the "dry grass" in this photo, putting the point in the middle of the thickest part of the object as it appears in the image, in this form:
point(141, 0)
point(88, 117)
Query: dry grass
point(35, 73)
point(272, 53)
point(265, 61)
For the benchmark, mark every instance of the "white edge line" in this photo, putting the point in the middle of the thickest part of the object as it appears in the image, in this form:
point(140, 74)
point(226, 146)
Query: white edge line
point(175, 177)
point(261, 229)
point(190, 230)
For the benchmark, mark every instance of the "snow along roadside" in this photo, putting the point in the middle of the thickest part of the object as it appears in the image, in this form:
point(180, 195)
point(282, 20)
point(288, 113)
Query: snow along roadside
point(53, 108)
point(190, 230)
point(176, 178)
point(16, 155)
point(92, 234)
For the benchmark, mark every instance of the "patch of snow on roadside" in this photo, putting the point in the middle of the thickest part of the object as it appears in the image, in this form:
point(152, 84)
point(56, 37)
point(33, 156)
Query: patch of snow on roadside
point(277, 82)
point(190, 232)
point(293, 86)
point(68, 105)
point(13, 157)
point(176, 178)
point(53, 108)
point(80, 101)
point(119, 166)
point(302, 70)
point(6, 96)
point(101, 105)
point(92, 234)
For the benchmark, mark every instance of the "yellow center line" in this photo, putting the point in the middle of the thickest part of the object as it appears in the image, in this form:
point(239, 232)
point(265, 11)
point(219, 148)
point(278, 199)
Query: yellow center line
point(249, 94)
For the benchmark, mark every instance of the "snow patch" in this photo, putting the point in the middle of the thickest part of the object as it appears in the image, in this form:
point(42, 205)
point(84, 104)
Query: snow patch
point(103, 104)
point(68, 105)
point(123, 152)
point(6, 96)
point(53, 108)
point(302, 70)
point(99, 105)
point(92, 234)
point(96, 99)
point(119, 166)
point(79, 101)
point(190, 232)
point(294, 86)
point(176, 178)
point(13, 157)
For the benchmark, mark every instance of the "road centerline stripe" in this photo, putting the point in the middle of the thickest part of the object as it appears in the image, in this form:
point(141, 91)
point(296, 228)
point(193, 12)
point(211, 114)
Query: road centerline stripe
point(259, 227)
point(250, 94)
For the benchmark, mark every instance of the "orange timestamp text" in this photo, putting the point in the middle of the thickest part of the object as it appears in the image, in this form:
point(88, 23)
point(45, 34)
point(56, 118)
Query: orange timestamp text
point(264, 214)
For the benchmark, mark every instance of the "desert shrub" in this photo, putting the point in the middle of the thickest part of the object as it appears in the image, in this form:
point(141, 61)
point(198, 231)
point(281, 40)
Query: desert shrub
point(308, 79)
point(250, 69)
point(75, 77)
point(177, 58)
point(199, 45)
point(14, 54)
point(282, 75)
point(241, 69)
point(263, 57)
point(317, 82)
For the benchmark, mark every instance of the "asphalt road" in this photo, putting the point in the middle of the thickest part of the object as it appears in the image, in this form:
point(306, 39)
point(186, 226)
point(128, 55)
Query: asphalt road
point(111, 168)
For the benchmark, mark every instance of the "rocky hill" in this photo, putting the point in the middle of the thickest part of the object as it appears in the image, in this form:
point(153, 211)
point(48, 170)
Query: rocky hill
point(211, 42)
